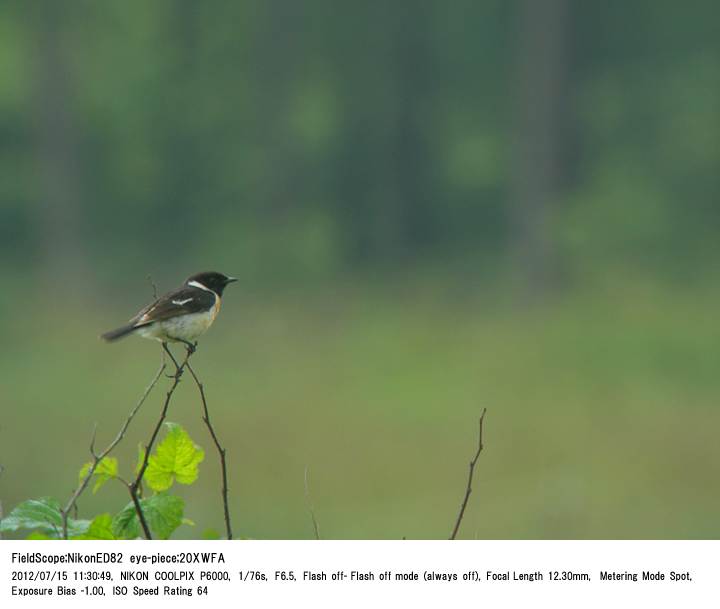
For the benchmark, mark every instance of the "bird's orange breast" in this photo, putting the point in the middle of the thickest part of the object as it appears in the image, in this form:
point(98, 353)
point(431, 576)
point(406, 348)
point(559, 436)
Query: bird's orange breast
point(215, 309)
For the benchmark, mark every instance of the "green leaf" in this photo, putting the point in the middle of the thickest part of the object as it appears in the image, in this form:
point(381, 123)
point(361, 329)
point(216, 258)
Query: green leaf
point(100, 528)
point(210, 534)
point(42, 515)
point(163, 514)
point(106, 470)
point(77, 527)
point(125, 524)
point(38, 536)
point(176, 458)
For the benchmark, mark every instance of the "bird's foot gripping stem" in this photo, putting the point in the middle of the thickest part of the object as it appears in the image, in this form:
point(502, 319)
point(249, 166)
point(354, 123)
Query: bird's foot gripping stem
point(191, 347)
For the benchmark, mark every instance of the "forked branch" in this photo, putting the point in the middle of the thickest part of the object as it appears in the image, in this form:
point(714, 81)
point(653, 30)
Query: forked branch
point(471, 472)
point(98, 457)
point(135, 487)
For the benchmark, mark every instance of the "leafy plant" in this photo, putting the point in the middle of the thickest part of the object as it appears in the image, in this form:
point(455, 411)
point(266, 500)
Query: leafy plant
point(176, 459)
point(107, 469)
point(43, 516)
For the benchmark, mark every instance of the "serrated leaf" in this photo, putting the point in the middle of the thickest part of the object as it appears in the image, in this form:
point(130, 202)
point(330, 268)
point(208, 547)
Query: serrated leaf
point(42, 515)
point(176, 458)
point(125, 524)
point(163, 514)
point(106, 470)
point(100, 528)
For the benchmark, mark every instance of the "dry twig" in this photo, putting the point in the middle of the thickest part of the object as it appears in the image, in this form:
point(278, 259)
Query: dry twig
point(135, 487)
point(152, 284)
point(221, 452)
point(468, 488)
point(310, 506)
point(98, 457)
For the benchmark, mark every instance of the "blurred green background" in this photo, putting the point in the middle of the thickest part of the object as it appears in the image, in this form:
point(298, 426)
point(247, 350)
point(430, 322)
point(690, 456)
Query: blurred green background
point(432, 208)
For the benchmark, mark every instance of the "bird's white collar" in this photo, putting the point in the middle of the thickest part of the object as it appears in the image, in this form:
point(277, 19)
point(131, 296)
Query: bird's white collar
point(197, 284)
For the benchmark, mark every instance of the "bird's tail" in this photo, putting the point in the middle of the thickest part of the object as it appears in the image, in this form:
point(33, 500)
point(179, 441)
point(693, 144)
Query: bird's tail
point(119, 333)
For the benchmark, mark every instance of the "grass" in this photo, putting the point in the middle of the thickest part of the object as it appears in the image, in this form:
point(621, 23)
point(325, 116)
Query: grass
point(602, 412)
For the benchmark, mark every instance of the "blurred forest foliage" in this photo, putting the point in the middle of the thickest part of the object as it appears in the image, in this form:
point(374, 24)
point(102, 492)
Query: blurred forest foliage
point(293, 140)
point(389, 181)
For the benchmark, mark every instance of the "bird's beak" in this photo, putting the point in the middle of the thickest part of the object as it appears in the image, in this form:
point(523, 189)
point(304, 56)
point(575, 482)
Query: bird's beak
point(231, 280)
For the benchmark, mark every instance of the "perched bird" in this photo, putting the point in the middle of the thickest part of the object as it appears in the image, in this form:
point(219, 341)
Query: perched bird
point(181, 315)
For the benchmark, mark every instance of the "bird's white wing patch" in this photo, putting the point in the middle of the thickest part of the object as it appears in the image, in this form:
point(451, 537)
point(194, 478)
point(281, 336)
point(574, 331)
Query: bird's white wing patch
point(181, 302)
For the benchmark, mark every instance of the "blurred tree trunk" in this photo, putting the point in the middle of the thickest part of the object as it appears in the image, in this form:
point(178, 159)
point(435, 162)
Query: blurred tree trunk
point(177, 124)
point(384, 175)
point(360, 178)
point(413, 64)
point(538, 168)
point(59, 196)
point(277, 52)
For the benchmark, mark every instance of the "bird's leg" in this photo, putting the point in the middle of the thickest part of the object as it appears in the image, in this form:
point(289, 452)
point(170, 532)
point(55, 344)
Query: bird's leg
point(189, 346)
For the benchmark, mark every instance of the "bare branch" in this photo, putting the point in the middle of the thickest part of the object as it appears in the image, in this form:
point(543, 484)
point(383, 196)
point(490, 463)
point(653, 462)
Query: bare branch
point(92, 440)
point(97, 458)
point(152, 283)
point(310, 508)
point(468, 488)
point(221, 451)
point(136, 487)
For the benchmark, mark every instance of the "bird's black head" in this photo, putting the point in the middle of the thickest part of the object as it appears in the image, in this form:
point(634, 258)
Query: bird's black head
point(211, 280)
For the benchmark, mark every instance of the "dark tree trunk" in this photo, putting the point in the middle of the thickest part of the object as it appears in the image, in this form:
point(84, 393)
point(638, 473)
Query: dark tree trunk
point(384, 168)
point(412, 176)
point(277, 67)
point(60, 215)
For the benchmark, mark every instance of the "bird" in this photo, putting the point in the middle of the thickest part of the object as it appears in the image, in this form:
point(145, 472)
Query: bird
point(182, 315)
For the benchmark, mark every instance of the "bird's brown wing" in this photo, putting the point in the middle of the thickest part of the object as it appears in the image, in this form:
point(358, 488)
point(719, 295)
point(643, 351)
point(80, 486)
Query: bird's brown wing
point(183, 301)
